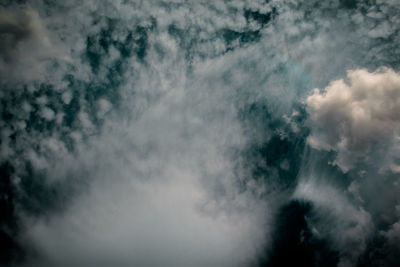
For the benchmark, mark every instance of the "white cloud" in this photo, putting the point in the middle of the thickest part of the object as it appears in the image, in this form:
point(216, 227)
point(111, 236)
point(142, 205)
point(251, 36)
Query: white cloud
point(67, 97)
point(147, 222)
point(48, 113)
point(352, 117)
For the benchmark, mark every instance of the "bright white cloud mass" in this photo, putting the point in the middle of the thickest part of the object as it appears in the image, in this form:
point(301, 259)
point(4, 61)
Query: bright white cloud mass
point(189, 133)
point(353, 118)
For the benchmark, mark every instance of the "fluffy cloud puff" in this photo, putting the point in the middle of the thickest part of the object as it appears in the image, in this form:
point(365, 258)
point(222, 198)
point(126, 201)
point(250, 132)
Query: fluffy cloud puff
point(355, 116)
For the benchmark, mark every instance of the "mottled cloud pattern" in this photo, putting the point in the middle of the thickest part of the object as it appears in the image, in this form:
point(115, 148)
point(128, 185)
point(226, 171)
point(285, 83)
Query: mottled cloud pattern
point(189, 133)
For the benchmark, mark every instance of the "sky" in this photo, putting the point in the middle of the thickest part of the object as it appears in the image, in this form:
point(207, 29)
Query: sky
point(177, 133)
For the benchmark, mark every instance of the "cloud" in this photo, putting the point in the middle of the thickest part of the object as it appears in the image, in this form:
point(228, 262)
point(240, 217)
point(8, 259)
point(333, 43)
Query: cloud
point(156, 182)
point(393, 241)
point(354, 117)
point(348, 226)
point(26, 45)
point(162, 191)
point(129, 134)
point(357, 118)
point(156, 223)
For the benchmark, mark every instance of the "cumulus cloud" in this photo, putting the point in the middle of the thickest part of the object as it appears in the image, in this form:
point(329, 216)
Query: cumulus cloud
point(357, 118)
point(354, 116)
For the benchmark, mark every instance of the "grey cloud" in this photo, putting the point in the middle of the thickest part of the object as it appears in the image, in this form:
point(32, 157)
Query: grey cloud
point(26, 45)
point(393, 238)
point(163, 191)
point(347, 225)
point(162, 188)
